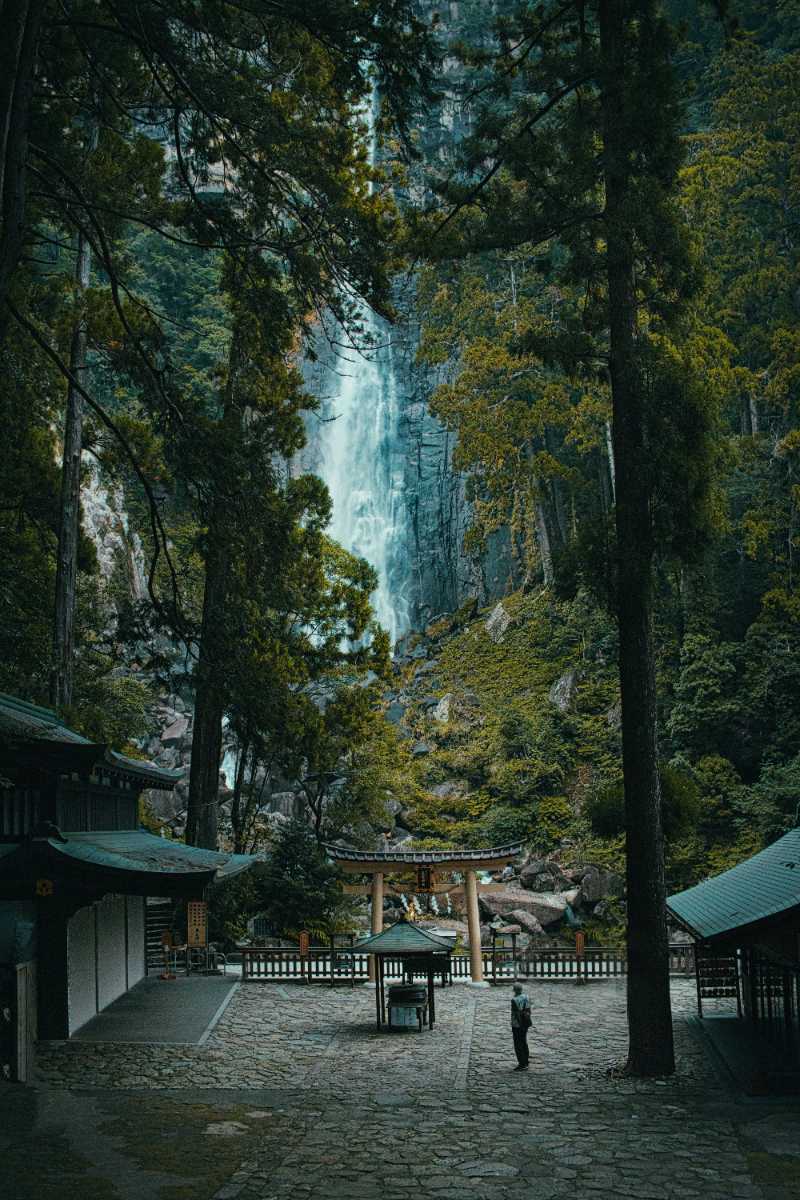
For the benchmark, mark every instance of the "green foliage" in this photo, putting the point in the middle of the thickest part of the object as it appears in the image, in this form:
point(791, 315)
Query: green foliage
point(297, 888)
point(504, 824)
point(680, 806)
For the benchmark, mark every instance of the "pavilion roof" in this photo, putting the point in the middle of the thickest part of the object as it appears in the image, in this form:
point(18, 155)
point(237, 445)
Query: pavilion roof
point(29, 729)
point(130, 861)
point(766, 885)
point(404, 938)
point(355, 860)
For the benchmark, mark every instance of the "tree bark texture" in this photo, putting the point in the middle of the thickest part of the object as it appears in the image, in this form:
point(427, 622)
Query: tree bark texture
point(61, 683)
point(20, 22)
point(202, 817)
point(649, 1014)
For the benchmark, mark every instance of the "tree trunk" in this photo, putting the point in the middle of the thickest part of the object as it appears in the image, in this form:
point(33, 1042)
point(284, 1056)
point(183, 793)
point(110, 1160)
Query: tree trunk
point(202, 817)
point(649, 1014)
point(612, 470)
point(61, 679)
point(20, 22)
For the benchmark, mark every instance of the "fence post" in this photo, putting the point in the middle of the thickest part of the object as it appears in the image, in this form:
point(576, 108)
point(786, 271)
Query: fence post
point(580, 947)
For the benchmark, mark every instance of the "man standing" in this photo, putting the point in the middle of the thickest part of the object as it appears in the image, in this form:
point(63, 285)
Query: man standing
point(520, 1024)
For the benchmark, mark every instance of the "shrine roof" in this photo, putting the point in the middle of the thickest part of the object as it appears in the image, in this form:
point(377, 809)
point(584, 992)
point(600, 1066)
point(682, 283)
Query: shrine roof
point(766, 885)
point(404, 937)
point(131, 862)
point(29, 729)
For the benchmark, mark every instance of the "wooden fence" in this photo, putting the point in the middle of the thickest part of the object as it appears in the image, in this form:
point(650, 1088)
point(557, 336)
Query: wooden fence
point(499, 966)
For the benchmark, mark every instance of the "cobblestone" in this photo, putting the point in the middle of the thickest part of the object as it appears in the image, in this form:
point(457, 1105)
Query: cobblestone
point(342, 1112)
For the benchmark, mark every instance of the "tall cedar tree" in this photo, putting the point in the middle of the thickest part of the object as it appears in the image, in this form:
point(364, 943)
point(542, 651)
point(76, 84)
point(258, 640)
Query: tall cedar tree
point(559, 83)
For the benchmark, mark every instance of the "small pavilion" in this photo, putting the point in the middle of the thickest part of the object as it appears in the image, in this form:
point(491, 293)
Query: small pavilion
point(430, 866)
point(746, 926)
point(416, 948)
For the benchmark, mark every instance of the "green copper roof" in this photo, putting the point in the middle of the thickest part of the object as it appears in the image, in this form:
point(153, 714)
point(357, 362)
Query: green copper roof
point(762, 886)
point(403, 938)
point(138, 851)
point(26, 723)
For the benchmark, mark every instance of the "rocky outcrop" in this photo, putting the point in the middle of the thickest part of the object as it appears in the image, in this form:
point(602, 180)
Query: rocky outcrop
point(547, 907)
point(527, 921)
point(498, 622)
point(562, 693)
point(541, 875)
point(597, 884)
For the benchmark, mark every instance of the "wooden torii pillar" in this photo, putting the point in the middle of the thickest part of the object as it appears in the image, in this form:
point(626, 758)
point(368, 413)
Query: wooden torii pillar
point(474, 929)
point(376, 917)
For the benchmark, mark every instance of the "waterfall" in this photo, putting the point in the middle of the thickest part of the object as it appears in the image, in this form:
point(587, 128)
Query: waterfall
point(361, 460)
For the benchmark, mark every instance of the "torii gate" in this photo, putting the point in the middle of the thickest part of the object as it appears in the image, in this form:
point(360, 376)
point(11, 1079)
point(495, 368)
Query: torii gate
point(427, 864)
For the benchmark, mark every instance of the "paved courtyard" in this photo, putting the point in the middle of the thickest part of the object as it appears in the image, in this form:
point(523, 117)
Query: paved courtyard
point(294, 1094)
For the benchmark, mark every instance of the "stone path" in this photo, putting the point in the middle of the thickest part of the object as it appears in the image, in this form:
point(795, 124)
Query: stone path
point(296, 1095)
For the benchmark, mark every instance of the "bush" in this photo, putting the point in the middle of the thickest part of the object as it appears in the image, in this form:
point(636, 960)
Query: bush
point(505, 824)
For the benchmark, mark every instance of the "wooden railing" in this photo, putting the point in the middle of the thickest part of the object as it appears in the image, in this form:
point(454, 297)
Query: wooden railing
point(770, 997)
point(499, 966)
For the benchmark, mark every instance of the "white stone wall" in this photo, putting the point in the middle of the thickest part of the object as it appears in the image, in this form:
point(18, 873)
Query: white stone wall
point(81, 966)
point(106, 955)
point(112, 962)
point(136, 939)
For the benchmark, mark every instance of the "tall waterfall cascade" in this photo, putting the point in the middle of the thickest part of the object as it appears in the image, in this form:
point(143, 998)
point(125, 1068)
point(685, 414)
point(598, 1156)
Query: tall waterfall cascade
point(361, 459)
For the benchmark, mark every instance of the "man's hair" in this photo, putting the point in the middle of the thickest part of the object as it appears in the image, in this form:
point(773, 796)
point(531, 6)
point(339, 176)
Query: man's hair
point(517, 988)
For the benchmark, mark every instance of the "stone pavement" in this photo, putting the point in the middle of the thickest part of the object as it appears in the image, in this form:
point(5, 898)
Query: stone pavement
point(294, 1094)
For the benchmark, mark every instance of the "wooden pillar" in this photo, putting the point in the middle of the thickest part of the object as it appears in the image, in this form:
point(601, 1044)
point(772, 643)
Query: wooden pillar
point(474, 927)
point(376, 916)
point(52, 921)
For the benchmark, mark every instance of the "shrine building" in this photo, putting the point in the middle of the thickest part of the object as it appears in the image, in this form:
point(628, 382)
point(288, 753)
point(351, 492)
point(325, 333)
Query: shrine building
point(75, 871)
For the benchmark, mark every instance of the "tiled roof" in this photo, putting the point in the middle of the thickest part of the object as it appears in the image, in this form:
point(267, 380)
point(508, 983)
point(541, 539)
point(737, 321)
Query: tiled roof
point(138, 851)
point(403, 938)
point(762, 886)
point(422, 857)
point(29, 723)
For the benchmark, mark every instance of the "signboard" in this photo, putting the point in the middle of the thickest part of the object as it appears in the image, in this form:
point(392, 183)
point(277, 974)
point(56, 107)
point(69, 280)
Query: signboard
point(196, 923)
point(304, 940)
point(580, 942)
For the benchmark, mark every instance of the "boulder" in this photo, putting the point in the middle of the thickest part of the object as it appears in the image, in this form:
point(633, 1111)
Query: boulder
point(450, 787)
point(597, 884)
point(427, 667)
point(174, 734)
point(497, 622)
point(528, 921)
point(395, 713)
point(543, 876)
point(419, 652)
point(441, 712)
point(547, 907)
point(420, 748)
point(563, 691)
